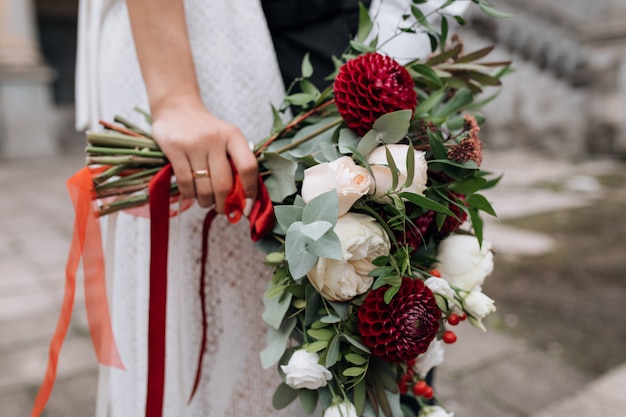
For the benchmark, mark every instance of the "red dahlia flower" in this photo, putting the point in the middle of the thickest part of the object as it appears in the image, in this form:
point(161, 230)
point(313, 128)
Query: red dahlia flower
point(370, 86)
point(402, 329)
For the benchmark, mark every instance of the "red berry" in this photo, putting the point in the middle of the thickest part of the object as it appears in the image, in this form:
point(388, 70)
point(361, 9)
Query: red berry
point(411, 363)
point(403, 387)
point(449, 337)
point(453, 319)
point(406, 378)
point(435, 273)
point(463, 316)
point(429, 393)
point(420, 388)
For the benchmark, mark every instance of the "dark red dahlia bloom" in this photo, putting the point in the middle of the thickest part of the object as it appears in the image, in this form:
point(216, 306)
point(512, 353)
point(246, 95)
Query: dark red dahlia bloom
point(415, 235)
point(402, 329)
point(372, 85)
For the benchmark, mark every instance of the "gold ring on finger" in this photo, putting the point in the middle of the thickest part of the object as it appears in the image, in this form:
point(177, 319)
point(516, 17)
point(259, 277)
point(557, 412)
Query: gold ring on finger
point(200, 173)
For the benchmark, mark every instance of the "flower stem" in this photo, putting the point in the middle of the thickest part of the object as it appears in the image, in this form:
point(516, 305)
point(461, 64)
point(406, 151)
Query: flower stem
point(109, 139)
point(127, 159)
point(123, 151)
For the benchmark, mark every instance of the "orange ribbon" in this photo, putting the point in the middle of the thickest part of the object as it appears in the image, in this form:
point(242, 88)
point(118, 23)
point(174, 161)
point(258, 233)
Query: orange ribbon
point(86, 243)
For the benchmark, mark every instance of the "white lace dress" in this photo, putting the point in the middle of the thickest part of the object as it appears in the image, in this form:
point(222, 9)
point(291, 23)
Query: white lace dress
point(239, 77)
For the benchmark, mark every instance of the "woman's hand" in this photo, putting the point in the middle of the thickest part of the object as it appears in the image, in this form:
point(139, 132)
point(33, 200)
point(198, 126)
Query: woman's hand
point(194, 140)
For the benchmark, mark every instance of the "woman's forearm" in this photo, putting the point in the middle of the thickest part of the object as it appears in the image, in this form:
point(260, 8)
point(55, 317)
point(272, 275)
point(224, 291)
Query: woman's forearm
point(162, 43)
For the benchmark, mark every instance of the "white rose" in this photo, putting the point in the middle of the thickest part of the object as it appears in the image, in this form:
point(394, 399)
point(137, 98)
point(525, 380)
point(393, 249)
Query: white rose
point(463, 263)
point(434, 411)
point(350, 180)
point(429, 359)
point(304, 371)
point(440, 286)
point(478, 304)
point(362, 241)
point(382, 173)
point(344, 409)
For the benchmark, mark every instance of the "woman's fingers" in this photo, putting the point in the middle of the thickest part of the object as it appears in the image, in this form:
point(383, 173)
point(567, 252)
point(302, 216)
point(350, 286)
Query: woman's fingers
point(245, 163)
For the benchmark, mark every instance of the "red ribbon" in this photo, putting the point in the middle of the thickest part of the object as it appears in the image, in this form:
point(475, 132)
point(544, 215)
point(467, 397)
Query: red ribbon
point(87, 243)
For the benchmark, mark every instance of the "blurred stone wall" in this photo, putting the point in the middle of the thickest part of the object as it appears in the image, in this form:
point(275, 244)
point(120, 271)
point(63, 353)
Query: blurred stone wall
point(567, 95)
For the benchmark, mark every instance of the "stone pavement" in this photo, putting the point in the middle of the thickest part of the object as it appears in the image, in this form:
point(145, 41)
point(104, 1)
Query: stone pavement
point(485, 375)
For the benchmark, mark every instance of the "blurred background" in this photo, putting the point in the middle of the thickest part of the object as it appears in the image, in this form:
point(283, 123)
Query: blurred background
point(557, 133)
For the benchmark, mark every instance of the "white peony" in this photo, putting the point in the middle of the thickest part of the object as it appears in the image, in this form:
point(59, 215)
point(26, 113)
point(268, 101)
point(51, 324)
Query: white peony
point(429, 359)
point(362, 241)
point(350, 180)
point(304, 371)
point(478, 304)
point(434, 411)
point(463, 263)
point(383, 177)
point(344, 409)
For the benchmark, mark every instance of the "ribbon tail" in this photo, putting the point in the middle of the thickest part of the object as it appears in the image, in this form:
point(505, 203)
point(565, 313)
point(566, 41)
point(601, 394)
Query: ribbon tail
point(159, 190)
point(262, 218)
point(208, 220)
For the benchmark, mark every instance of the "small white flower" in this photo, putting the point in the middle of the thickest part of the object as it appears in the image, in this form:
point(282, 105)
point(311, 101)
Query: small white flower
point(350, 180)
point(344, 409)
point(383, 177)
point(362, 241)
point(429, 359)
point(440, 286)
point(434, 411)
point(304, 371)
point(478, 304)
point(463, 263)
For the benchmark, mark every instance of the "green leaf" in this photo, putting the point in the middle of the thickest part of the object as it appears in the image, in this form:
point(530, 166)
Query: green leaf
point(476, 55)
point(444, 32)
point(283, 396)
point(321, 334)
point(427, 72)
point(300, 99)
point(442, 57)
point(390, 293)
point(356, 359)
point(328, 246)
point(323, 207)
point(308, 398)
point(359, 397)
point(491, 11)
point(393, 127)
point(421, 19)
point(354, 371)
point(287, 215)
point(460, 20)
point(316, 229)
point(469, 186)
point(365, 24)
point(368, 142)
point(313, 303)
point(461, 99)
point(410, 167)
point(479, 202)
point(316, 346)
point(426, 203)
point(438, 149)
point(280, 183)
point(392, 168)
point(275, 309)
point(330, 319)
point(433, 100)
point(306, 68)
point(277, 342)
point(332, 354)
point(477, 224)
point(340, 308)
point(347, 141)
point(356, 343)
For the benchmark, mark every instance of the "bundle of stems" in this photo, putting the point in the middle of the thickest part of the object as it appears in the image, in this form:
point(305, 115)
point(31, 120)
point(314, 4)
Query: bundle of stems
point(130, 157)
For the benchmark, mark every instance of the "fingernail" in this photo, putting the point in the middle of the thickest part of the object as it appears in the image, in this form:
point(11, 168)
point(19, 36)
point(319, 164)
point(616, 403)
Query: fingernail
point(248, 208)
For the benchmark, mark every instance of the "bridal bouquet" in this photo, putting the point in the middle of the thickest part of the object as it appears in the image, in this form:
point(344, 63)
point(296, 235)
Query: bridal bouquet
point(377, 249)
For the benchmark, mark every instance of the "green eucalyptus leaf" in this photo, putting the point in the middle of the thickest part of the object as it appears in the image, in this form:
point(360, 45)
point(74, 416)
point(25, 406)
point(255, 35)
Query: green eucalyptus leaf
point(393, 127)
point(275, 309)
point(312, 145)
point(359, 397)
point(277, 342)
point(330, 319)
point(300, 99)
point(368, 142)
point(354, 371)
point(390, 293)
point(327, 246)
point(287, 215)
point(283, 396)
point(323, 207)
point(427, 72)
point(316, 229)
point(280, 183)
point(321, 334)
point(316, 346)
point(355, 359)
point(301, 264)
point(308, 398)
point(348, 140)
point(340, 308)
point(356, 343)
